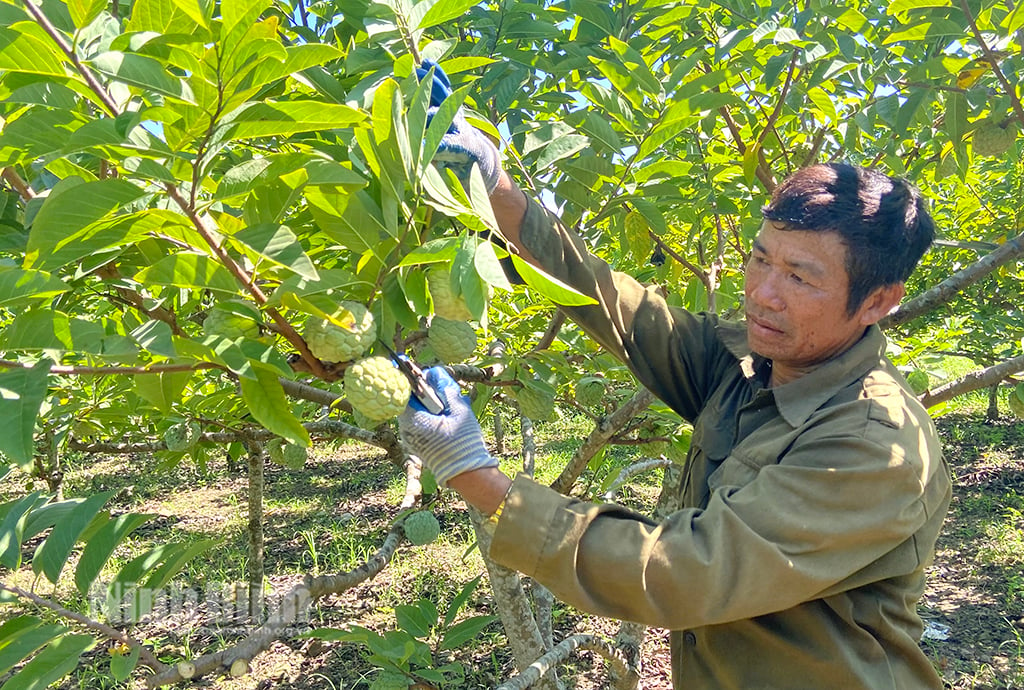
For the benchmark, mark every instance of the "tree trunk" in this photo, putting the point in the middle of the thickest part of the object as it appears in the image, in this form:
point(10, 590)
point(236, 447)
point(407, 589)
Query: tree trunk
point(255, 530)
point(992, 414)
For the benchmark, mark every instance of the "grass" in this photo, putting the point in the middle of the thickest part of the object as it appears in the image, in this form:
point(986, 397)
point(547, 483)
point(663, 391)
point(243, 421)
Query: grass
point(332, 515)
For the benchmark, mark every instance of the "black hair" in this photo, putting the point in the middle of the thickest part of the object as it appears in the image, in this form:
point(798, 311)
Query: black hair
point(883, 221)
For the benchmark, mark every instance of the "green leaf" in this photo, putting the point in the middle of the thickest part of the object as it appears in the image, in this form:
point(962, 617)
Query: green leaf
point(460, 599)
point(69, 208)
point(21, 394)
point(143, 72)
point(428, 13)
point(21, 52)
point(560, 148)
point(178, 559)
point(464, 631)
point(442, 249)
point(488, 267)
point(21, 636)
point(12, 530)
point(162, 390)
point(17, 285)
point(549, 286)
point(282, 119)
point(196, 10)
point(265, 399)
point(189, 271)
point(955, 120)
point(278, 244)
point(101, 545)
point(122, 665)
point(84, 11)
point(54, 552)
point(414, 619)
point(57, 660)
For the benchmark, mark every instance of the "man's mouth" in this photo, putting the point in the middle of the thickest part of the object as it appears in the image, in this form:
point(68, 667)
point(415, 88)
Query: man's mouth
point(761, 325)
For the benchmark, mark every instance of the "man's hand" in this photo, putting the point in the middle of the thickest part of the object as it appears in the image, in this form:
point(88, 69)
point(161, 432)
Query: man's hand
point(462, 145)
point(449, 443)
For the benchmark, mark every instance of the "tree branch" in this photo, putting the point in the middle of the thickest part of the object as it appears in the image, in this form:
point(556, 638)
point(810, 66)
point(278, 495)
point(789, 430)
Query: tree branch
point(20, 186)
point(561, 652)
point(145, 655)
point(1010, 250)
point(972, 381)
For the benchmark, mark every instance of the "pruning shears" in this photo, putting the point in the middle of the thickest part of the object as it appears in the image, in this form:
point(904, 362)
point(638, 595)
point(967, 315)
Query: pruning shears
point(423, 391)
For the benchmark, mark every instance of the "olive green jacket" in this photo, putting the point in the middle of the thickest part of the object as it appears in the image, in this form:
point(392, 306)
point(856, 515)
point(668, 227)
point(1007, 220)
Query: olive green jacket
point(811, 509)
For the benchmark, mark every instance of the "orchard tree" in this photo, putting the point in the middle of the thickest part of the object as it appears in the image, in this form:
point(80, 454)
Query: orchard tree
point(216, 215)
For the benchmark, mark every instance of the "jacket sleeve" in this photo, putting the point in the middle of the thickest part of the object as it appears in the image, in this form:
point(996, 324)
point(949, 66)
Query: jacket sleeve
point(840, 509)
point(671, 351)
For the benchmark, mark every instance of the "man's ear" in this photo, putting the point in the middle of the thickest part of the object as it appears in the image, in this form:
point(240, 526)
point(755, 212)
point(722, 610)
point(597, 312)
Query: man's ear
point(880, 302)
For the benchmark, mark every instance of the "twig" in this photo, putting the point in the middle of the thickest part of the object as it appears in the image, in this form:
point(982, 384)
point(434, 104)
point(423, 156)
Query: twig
point(557, 319)
point(633, 470)
point(145, 655)
point(560, 653)
point(20, 186)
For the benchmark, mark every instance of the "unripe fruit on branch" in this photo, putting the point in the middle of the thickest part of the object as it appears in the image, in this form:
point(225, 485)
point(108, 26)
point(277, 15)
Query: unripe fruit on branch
point(182, 436)
point(287, 454)
point(421, 527)
point(228, 324)
point(918, 381)
point(451, 341)
point(447, 304)
point(536, 404)
point(332, 343)
point(589, 390)
point(376, 388)
point(992, 139)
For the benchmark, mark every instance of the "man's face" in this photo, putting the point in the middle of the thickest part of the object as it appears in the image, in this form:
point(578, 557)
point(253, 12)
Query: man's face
point(796, 291)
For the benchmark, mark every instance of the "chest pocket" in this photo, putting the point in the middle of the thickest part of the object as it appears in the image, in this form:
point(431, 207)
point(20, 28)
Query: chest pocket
point(739, 469)
point(712, 442)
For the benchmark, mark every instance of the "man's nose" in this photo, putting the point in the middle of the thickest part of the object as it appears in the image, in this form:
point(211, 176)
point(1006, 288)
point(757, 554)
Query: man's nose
point(764, 292)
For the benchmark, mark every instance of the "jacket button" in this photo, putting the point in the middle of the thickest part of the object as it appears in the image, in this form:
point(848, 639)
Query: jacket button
point(689, 638)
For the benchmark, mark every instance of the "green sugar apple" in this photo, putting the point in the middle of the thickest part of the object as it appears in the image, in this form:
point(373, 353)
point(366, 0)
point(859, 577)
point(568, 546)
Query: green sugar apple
point(376, 388)
point(421, 527)
point(918, 381)
point(332, 343)
point(992, 139)
point(182, 436)
point(447, 304)
point(287, 454)
point(537, 404)
point(589, 390)
point(452, 341)
point(229, 324)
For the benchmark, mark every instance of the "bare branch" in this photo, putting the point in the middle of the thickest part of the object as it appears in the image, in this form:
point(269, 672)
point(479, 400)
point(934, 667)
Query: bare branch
point(560, 653)
point(1010, 250)
point(557, 319)
point(972, 381)
point(14, 179)
point(633, 470)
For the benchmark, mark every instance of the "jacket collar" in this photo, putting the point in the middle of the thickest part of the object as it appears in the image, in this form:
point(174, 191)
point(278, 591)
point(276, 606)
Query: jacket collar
point(798, 399)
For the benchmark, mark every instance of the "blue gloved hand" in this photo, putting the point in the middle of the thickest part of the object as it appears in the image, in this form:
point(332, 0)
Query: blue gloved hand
point(449, 443)
point(462, 145)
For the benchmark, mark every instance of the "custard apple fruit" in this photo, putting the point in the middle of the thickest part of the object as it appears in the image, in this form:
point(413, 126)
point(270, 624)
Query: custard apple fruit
point(332, 343)
point(918, 381)
point(376, 388)
point(992, 139)
point(390, 680)
point(589, 390)
point(182, 436)
point(452, 341)
point(229, 324)
point(287, 454)
point(537, 404)
point(1017, 400)
point(447, 304)
point(421, 527)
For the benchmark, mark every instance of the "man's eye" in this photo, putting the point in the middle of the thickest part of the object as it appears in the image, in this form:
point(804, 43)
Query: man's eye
point(796, 279)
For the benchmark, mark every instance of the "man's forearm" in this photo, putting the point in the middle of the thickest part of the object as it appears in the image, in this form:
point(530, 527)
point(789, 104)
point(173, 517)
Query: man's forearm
point(484, 489)
point(509, 205)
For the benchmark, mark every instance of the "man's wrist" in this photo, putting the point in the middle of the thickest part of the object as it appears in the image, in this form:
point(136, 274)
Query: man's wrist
point(485, 489)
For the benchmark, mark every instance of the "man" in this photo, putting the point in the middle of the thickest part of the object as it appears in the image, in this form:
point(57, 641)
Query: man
point(815, 487)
